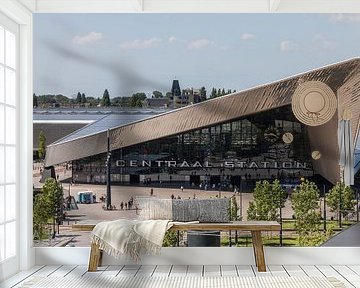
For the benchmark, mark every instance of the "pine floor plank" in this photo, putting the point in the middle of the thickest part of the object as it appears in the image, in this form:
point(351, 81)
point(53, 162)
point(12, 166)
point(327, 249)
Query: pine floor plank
point(178, 270)
point(245, 271)
point(195, 271)
point(112, 270)
point(20, 277)
point(63, 271)
point(278, 270)
point(79, 271)
point(212, 270)
point(162, 271)
point(311, 271)
point(129, 270)
point(294, 270)
point(228, 270)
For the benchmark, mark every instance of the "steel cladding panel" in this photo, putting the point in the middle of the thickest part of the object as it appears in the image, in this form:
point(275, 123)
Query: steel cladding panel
point(208, 113)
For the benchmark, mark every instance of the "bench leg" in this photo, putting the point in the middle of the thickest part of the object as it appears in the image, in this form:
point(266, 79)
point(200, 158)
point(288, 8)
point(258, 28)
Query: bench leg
point(95, 258)
point(258, 251)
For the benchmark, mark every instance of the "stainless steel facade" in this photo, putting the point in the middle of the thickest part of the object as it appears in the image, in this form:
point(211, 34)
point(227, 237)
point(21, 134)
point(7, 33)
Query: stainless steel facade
point(343, 78)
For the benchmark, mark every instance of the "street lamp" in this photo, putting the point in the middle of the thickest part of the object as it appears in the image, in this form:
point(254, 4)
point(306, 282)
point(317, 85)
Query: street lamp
point(108, 164)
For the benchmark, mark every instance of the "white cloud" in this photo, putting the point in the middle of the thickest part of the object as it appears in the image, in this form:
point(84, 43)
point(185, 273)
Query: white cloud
point(348, 18)
point(200, 44)
point(141, 44)
point(247, 36)
point(172, 39)
point(92, 37)
point(324, 43)
point(288, 45)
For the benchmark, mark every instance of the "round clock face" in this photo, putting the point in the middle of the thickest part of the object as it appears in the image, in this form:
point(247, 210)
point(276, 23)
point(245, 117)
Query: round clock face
point(271, 134)
point(316, 155)
point(288, 138)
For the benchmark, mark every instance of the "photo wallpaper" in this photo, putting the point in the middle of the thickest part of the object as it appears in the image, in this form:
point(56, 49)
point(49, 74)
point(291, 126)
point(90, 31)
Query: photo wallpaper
point(227, 117)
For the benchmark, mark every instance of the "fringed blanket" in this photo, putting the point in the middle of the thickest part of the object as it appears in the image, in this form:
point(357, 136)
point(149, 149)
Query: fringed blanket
point(130, 237)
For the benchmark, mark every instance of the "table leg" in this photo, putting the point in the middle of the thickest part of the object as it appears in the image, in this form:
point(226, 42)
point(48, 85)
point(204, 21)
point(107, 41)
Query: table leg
point(95, 257)
point(258, 251)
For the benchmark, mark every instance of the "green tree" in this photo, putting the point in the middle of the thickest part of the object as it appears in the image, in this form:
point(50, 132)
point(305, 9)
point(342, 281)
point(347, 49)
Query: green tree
point(106, 98)
point(202, 94)
point(35, 101)
point(78, 98)
point(213, 93)
point(218, 93)
point(83, 98)
point(42, 145)
point(223, 92)
point(305, 202)
point(267, 200)
point(136, 99)
point(157, 94)
point(233, 209)
point(47, 206)
point(347, 199)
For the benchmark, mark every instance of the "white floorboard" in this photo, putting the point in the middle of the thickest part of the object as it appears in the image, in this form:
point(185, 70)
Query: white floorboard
point(63, 271)
point(329, 271)
point(212, 270)
point(195, 271)
point(294, 271)
point(112, 270)
point(129, 270)
point(228, 270)
point(349, 275)
point(245, 271)
point(277, 270)
point(19, 277)
point(178, 270)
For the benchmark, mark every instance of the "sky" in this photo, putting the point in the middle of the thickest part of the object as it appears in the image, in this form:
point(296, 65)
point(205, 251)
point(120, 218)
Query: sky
point(129, 53)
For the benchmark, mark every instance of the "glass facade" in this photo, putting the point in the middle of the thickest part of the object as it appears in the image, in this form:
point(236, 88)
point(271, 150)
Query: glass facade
point(267, 145)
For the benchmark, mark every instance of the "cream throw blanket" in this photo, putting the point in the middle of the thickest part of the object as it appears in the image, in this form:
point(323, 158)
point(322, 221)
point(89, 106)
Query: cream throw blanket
point(130, 237)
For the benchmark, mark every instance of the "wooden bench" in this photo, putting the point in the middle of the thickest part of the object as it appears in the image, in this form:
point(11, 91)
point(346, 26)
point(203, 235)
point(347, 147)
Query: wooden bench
point(255, 227)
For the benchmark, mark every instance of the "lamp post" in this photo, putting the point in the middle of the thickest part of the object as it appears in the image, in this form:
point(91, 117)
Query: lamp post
point(324, 209)
point(357, 204)
point(280, 215)
point(108, 164)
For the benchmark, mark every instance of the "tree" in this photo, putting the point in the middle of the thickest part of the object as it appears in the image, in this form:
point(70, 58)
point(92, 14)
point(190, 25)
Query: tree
point(347, 199)
point(35, 101)
point(223, 92)
point(42, 145)
point(157, 94)
point(83, 98)
point(47, 206)
point(233, 209)
point(267, 200)
point(106, 98)
point(218, 93)
point(202, 94)
point(213, 93)
point(305, 202)
point(78, 98)
point(136, 99)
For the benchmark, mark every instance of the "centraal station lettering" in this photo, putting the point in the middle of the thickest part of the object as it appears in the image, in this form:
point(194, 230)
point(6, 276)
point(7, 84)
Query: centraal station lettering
point(207, 164)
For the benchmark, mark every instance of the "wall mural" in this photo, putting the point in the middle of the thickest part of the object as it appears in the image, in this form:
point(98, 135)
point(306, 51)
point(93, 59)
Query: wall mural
point(154, 108)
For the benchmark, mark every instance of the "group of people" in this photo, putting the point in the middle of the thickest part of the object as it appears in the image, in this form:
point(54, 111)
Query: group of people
point(127, 205)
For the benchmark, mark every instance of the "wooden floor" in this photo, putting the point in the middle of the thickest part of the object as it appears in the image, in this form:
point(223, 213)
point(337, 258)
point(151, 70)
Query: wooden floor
point(350, 275)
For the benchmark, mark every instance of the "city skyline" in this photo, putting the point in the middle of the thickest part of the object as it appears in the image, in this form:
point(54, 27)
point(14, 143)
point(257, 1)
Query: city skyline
point(89, 53)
